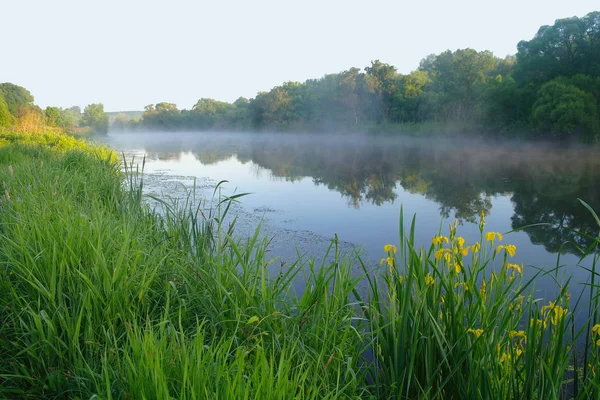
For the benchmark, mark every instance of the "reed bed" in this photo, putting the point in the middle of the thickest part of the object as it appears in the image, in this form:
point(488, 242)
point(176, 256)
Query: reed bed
point(104, 297)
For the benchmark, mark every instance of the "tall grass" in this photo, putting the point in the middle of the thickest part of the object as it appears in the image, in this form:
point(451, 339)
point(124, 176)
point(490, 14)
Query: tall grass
point(103, 296)
point(459, 321)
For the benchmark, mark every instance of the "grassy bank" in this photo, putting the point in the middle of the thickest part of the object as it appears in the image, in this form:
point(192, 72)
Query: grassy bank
point(102, 296)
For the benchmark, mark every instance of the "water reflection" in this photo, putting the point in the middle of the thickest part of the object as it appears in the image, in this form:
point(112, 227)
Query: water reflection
point(543, 181)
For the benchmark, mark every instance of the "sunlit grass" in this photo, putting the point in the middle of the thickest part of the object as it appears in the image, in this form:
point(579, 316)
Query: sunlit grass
point(101, 295)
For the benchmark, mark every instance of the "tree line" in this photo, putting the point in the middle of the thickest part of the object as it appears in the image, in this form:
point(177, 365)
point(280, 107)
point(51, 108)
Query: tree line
point(18, 111)
point(551, 87)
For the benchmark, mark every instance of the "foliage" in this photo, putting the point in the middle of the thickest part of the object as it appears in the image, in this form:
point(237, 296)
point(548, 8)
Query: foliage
point(565, 110)
point(6, 118)
point(16, 97)
point(95, 117)
point(113, 284)
point(571, 46)
point(458, 321)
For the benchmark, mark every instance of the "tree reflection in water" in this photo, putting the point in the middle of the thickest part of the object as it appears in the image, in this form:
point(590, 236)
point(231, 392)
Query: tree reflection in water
point(543, 180)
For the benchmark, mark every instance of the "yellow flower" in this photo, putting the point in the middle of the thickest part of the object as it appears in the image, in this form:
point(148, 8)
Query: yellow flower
point(515, 267)
point(596, 329)
point(477, 332)
point(439, 239)
point(518, 335)
point(439, 253)
point(557, 314)
point(491, 235)
point(429, 280)
point(389, 247)
point(389, 260)
point(550, 306)
point(461, 241)
point(518, 352)
point(465, 251)
point(448, 257)
point(538, 322)
point(457, 268)
point(464, 285)
point(509, 248)
point(475, 248)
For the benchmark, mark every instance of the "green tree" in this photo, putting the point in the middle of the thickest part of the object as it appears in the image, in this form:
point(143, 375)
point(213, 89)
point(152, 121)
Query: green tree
point(209, 113)
point(382, 81)
point(458, 76)
point(16, 97)
point(95, 117)
point(53, 117)
point(350, 85)
point(571, 46)
point(564, 110)
point(71, 117)
point(6, 118)
point(407, 100)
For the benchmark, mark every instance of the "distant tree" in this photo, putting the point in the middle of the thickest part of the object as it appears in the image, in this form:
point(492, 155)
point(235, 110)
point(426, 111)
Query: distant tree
point(53, 117)
point(239, 114)
point(95, 117)
point(564, 110)
point(15, 96)
point(71, 117)
point(6, 118)
point(407, 100)
point(273, 108)
point(210, 106)
point(457, 77)
point(382, 81)
point(208, 113)
point(162, 115)
point(571, 46)
point(350, 87)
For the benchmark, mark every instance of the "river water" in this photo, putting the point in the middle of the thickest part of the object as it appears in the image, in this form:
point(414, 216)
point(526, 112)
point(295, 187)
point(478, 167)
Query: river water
point(307, 187)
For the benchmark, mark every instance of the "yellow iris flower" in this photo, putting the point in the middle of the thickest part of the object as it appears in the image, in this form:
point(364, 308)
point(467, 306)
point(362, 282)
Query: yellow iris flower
point(515, 267)
point(439, 239)
point(511, 249)
point(490, 236)
point(477, 332)
point(389, 247)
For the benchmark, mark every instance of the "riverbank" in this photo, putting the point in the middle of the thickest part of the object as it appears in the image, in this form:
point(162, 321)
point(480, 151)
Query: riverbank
point(105, 297)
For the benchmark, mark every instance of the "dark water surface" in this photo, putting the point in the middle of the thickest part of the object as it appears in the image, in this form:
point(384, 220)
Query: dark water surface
point(308, 187)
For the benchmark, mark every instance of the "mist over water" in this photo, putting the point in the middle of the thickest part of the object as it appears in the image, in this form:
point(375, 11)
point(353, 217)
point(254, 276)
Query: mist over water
point(307, 187)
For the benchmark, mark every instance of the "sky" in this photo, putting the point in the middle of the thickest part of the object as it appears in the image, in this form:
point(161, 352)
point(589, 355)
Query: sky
point(127, 54)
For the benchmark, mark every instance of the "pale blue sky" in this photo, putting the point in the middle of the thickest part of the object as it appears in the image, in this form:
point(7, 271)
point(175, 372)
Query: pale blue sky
point(130, 53)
